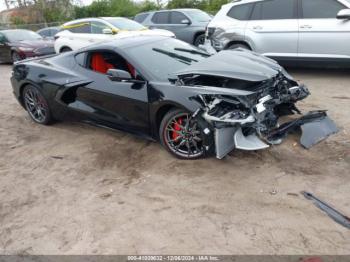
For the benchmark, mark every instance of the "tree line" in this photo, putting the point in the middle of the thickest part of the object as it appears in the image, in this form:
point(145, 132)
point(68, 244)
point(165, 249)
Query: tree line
point(129, 8)
point(56, 10)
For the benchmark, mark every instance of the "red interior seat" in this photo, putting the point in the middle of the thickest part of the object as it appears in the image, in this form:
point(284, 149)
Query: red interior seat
point(99, 64)
point(131, 69)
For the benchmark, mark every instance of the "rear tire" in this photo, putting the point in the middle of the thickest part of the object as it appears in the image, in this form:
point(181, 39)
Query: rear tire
point(65, 49)
point(36, 105)
point(235, 46)
point(181, 135)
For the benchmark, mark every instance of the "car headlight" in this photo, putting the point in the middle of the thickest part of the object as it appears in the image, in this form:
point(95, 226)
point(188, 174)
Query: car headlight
point(26, 49)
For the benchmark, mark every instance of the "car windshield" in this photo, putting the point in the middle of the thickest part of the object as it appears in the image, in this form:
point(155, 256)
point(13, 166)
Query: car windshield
point(199, 15)
point(125, 24)
point(20, 35)
point(164, 58)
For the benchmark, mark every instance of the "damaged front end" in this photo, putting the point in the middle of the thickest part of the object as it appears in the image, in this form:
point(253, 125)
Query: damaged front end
point(250, 120)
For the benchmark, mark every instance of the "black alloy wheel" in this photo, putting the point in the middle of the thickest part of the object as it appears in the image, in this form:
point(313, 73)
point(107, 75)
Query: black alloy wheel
point(36, 105)
point(181, 135)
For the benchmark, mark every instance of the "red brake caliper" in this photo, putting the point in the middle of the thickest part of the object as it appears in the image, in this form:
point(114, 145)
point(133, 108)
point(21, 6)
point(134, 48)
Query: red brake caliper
point(176, 127)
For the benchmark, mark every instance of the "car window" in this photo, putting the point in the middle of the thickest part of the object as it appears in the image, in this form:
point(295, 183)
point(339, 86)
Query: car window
point(20, 35)
point(198, 15)
point(97, 27)
point(140, 17)
point(54, 31)
point(273, 10)
point(45, 33)
point(101, 61)
point(161, 18)
point(321, 8)
point(81, 28)
point(177, 17)
point(125, 24)
point(241, 12)
point(81, 59)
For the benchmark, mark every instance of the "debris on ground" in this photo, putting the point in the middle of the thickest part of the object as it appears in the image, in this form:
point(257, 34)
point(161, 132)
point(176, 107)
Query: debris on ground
point(331, 212)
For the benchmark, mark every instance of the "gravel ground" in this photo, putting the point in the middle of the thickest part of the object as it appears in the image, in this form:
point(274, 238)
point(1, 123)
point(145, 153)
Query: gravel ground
point(75, 189)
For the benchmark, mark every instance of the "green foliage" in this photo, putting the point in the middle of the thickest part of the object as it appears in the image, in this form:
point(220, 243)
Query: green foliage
point(17, 21)
point(126, 8)
point(129, 8)
point(213, 6)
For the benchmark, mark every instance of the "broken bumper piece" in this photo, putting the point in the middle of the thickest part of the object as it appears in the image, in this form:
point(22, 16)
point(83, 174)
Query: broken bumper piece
point(315, 126)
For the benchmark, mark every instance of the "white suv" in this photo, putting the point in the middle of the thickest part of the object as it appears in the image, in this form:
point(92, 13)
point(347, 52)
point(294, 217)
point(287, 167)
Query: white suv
point(305, 30)
point(84, 32)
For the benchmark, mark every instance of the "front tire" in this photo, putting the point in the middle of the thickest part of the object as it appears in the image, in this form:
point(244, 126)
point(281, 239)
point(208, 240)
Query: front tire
point(36, 105)
point(200, 40)
point(182, 135)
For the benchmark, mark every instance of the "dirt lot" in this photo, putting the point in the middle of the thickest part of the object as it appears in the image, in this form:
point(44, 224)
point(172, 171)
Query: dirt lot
point(75, 189)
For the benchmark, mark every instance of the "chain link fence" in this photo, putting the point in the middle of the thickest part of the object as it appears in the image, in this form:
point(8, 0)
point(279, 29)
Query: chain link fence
point(33, 27)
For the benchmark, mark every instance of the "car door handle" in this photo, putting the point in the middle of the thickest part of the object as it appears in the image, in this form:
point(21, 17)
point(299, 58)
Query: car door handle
point(257, 27)
point(91, 40)
point(306, 26)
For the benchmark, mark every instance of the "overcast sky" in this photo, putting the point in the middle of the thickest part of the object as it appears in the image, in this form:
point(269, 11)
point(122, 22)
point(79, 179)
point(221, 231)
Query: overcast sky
point(3, 6)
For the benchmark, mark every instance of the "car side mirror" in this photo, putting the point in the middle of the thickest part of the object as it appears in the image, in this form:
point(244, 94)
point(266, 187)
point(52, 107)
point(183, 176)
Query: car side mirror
point(185, 22)
point(118, 75)
point(107, 31)
point(344, 14)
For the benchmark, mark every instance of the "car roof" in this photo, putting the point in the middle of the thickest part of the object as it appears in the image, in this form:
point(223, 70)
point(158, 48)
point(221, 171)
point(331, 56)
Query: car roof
point(130, 41)
point(47, 28)
point(14, 30)
point(82, 20)
point(168, 10)
point(238, 2)
point(178, 9)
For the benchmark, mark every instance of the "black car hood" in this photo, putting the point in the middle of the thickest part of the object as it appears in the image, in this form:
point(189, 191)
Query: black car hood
point(33, 43)
point(235, 64)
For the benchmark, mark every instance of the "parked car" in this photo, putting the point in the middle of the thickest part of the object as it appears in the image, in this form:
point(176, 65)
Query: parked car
point(194, 103)
point(84, 32)
point(187, 24)
point(19, 44)
point(48, 32)
point(305, 30)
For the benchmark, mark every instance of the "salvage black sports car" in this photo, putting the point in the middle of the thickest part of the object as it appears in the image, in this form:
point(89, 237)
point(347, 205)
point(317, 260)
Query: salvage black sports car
point(195, 103)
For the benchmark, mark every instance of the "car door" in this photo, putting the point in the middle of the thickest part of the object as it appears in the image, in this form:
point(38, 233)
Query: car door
point(5, 50)
point(321, 34)
point(112, 103)
point(160, 20)
point(273, 28)
point(180, 25)
point(97, 34)
point(81, 36)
